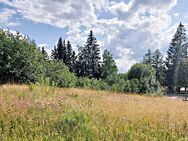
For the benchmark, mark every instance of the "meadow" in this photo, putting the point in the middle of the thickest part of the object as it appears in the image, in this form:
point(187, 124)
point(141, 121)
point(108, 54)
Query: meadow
point(42, 113)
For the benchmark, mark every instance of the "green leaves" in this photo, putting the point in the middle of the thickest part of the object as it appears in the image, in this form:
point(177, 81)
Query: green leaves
point(145, 75)
point(20, 60)
point(177, 51)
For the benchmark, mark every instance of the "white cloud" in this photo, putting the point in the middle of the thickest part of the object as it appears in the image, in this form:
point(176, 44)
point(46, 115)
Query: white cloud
point(134, 26)
point(66, 13)
point(176, 14)
point(5, 16)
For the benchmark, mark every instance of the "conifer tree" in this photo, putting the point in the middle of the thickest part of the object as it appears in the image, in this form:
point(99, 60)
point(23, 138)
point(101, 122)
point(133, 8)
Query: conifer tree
point(158, 65)
point(94, 53)
point(89, 58)
point(45, 54)
point(70, 57)
point(54, 54)
point(148, 58)
point(176, 52)
point(108, 65)
point(59, 51)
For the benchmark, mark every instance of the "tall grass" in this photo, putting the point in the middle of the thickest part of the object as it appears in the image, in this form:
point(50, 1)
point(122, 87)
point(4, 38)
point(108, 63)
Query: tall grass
point(42, 113)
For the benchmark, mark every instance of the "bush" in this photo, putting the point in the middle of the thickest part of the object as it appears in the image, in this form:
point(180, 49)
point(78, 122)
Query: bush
point(134, 84)
point(145, 79)
point(119, 86)
point(87, 83)
point(20, 61)
point(59, 74)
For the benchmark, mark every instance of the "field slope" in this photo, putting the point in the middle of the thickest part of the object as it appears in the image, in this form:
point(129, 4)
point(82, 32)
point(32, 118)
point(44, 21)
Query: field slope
point(44, 113)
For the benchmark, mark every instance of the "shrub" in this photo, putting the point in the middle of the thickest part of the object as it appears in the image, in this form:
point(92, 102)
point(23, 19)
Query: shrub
point(145, 75)
point(20, 61)
point(85, 82)
point(59, 74)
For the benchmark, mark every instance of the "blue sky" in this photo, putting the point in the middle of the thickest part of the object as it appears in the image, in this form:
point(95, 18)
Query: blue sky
point(128, 28)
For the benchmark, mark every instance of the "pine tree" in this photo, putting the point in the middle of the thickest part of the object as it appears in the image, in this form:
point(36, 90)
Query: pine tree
point(64, 52)
point(73, 62)
point(70, 57)
point(108, 65)
point(81, 62)
point(54, 54)
point(148, 58)
point(183, 75)
point(59, 51)
point(94, 59)
point(45, 54)
point(158, 65)
point(177, 51)
point(89, 58)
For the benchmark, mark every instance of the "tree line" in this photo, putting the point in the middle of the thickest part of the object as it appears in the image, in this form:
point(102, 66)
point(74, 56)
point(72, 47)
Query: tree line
point(171, 72)
point(21, 61)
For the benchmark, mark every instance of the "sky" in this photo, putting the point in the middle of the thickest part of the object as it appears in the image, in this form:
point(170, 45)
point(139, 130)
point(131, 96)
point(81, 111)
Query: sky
point(127, 28)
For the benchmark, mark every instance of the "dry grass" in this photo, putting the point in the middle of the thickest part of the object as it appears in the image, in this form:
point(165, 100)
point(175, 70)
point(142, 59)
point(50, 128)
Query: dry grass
point(45, 113)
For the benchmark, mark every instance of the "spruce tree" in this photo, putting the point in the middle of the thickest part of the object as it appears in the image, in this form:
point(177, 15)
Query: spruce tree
point(64, 52)
point(45, 54)
point(81, 62)
point(158, 65)
point(108, 65)
point(59, 52)
point(148, 58)
point(94, 56)
point(89, 58)
point(70, 57)
point(176, 52)
point(183, 75)
point(54, 54)
point(59, 49)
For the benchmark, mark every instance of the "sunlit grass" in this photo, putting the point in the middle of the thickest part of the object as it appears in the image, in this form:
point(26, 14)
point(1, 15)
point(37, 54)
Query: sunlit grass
point(37, 112)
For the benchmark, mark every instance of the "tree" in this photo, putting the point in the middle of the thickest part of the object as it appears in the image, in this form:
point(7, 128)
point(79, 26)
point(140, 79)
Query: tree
point(108, 65)
point(148, 58)
point(176, 52)
point(89, 58)
point(145, 74)
point(20, 59)
point(81, 62)
point(45, 54)
point(183, 75)
point(70, 57)
point(59, 74)
point(54, 54)
point(59, 52)
point(158, 65)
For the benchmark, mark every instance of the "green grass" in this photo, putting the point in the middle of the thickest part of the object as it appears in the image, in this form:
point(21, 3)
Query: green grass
point(43, 113)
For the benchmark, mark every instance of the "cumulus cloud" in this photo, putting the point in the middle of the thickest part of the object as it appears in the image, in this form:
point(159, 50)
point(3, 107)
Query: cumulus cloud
point(5, 16)
point(130, 29)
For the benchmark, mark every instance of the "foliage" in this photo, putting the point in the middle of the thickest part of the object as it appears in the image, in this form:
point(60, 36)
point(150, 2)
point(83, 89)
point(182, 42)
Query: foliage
point(148, 58)
point(159, 66)
point(176, 52)
point(87, 83)
point(20, 60)
point(89, 58)
point(183, 75)
point(59, 74)
point(145, 74)
point(45, 54)
point(108, 65)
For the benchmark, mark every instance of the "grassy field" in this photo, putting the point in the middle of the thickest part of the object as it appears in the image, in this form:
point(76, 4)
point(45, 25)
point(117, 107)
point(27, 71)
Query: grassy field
point(47, 114)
